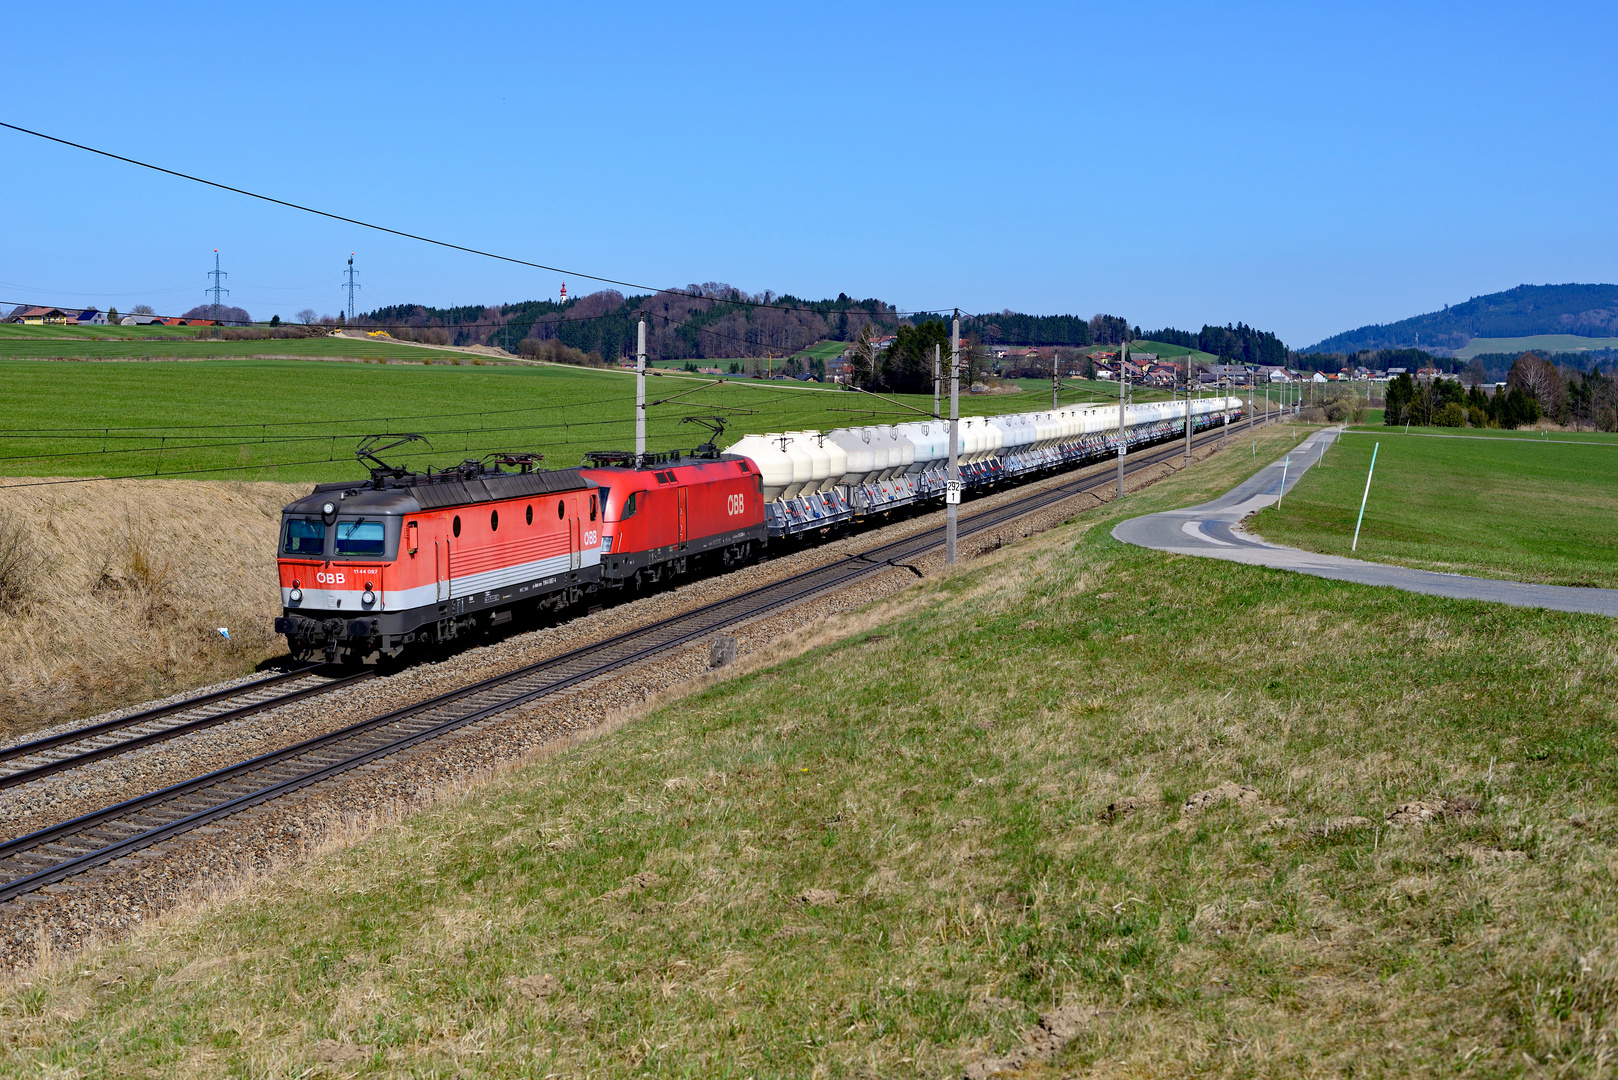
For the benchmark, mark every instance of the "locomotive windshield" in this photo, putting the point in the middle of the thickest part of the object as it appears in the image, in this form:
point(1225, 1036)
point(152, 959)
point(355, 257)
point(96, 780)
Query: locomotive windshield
point(305, 537)
point(360, 538)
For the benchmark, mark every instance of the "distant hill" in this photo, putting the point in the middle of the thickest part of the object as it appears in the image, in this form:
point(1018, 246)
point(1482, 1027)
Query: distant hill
point(1526, 311)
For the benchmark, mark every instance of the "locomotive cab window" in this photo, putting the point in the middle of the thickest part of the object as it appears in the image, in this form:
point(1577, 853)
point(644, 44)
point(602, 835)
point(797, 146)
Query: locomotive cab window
point(304, 537)
point(629, 507)
point(360, 538)
point(592, 508)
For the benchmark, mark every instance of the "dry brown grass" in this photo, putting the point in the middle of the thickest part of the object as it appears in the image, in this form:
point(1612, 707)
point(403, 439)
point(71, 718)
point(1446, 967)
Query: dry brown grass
point(116, 591)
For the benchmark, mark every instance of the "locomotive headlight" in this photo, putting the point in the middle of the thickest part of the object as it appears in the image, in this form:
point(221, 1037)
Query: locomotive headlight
point(296, 595)
point(369, 595)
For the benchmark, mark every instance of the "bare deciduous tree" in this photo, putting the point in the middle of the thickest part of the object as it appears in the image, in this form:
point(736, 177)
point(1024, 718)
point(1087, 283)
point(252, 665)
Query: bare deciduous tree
point(1539, 379)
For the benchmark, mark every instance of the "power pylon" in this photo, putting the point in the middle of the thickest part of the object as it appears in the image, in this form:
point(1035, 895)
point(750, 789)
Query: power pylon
point(216, 288)
point(351, 286)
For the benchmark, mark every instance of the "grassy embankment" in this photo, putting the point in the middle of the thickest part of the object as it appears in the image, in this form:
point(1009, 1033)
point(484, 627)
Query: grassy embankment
point(891, 853)
point(267, 419)
point(126, 586)
point(1514, 505)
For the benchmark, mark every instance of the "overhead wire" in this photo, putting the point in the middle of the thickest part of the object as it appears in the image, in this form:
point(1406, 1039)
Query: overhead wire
point(740, 302)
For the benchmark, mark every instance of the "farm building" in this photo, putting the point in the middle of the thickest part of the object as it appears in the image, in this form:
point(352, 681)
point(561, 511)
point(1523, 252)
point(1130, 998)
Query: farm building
point(39, 316)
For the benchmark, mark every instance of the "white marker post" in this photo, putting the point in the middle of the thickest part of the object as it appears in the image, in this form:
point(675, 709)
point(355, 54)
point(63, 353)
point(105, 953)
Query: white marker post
point(1284, 463)
point(1355, 546)
point(952, 479)
point(1123, 381)
point(640, 393)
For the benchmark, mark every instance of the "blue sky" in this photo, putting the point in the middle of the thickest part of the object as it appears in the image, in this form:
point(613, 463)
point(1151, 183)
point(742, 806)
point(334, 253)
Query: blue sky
point(1303, 168)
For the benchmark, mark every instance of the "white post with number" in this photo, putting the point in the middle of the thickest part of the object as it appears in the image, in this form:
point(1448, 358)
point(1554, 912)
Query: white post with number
point(952, 490)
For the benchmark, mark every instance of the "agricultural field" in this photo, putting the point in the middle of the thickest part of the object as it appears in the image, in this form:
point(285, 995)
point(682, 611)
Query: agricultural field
point(1541, 343)
point(181, 343)
point(1165, 351)
point(822, 350)
point(1524, 506)
point(278, 419)
point(1205, 819)
point(1085, 391)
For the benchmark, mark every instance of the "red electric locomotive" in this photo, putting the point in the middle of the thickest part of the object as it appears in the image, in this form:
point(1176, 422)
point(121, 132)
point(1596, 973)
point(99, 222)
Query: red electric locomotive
point(664, 513)
point(368, 568)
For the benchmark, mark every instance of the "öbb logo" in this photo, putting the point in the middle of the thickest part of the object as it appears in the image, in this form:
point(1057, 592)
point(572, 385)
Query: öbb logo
point(332, 578)
point(736, 505)
point(591, 539)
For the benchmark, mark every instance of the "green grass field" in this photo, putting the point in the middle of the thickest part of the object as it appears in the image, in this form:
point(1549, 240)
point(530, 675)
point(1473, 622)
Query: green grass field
point(1179, 798)
point(1086, 392)
point(1514, 505)
point(1547, 343)
point(269, 419)
point(821, 350)
point(1165, 351)
point(180, 343)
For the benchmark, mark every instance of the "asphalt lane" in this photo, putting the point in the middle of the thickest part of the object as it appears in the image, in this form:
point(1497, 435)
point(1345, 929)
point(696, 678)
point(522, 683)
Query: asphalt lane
point(1213, 531)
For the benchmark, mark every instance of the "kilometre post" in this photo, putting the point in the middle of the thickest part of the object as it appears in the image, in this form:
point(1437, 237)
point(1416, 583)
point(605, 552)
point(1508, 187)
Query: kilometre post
point(952, 493)
point(1123, 377)
point(640, 393)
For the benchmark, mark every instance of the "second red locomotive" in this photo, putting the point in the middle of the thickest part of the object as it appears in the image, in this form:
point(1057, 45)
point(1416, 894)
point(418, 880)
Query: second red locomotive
point(668, 510)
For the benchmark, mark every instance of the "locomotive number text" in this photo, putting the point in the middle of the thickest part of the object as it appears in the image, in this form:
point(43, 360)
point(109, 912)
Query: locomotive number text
point(736, 505)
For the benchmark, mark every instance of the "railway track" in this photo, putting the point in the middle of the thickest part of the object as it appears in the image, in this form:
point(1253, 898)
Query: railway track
point(61, 851)
point(23, 763)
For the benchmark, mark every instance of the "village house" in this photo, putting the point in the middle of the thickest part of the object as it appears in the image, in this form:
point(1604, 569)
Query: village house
point(1234, 374)
point(39, 316)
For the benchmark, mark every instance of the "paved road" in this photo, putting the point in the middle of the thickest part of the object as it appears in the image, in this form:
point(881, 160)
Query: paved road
point(1213, 530)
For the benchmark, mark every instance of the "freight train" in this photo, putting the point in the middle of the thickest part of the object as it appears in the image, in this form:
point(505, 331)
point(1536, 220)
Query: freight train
point(369, 569)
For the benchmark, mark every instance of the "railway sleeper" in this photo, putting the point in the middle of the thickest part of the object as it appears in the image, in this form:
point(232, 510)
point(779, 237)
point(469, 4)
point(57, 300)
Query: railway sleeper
point(154, 820)
point(33, 859)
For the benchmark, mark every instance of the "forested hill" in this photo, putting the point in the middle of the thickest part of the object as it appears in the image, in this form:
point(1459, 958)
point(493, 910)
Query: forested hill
point(1585, 310)
point(717, 321)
